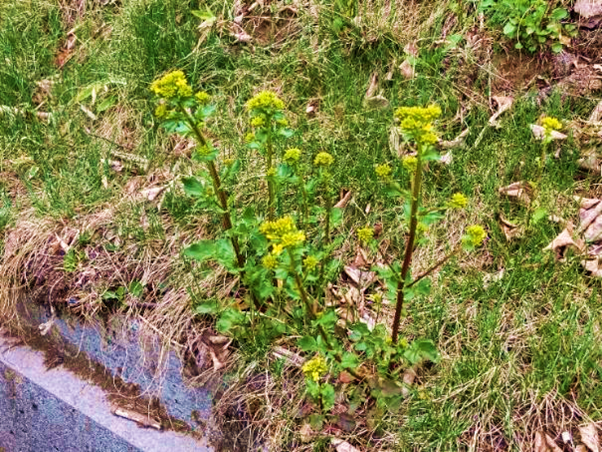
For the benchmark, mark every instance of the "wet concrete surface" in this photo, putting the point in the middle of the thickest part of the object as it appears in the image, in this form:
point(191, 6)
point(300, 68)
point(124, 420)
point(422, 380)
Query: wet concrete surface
point(54, 410)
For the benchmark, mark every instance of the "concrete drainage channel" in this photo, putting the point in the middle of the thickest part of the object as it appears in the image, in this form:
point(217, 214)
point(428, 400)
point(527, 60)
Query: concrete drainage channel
point(75, 389)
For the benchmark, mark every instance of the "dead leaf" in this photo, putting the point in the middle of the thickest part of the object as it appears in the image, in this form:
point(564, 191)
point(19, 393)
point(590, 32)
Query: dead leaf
point(594, 231)
point(312, 108)
point(139, 418)
point(376, 102)
point(596, 115)
point(346, 377)
point(218, 349)
point(288, 356)
point(581, 448)
point(152, 193)
point(588, 8)
point(493, 277)
point(567, 438)
point(593, 266)
point(447, 158)
point(540, 443)
point(589, 437)
point(344, 200)
point(343, 446)
point(411, 48)
point(552, 444)
point(504, 103)
point(360, 278)
point(539, 133)
point(45, 327)
point(408, 380)
point(588, 216)
point(66, 51)
point(306, 433)
point(509, 229)
point(456, 142)
point(373, 86)
point(590, 161)
point(563, 242)
point(407, 70)
point(238, 33)
point(518, 190)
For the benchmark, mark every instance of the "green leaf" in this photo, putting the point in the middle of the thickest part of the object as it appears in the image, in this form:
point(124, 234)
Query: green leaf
point(193, 187)
point(509, 29)
point(106, 104)
point(327, 320)
point(205, 15)
point(557, 47)
point(336, 216)
point(211, 307)
point(559, 14)
point(423, 287)
point(136, 288)
point(307, 344)
point(201, 251)
point(350, 361)
point(229, 319)
point(421, 349)
point(313, 388)
point(328, 396)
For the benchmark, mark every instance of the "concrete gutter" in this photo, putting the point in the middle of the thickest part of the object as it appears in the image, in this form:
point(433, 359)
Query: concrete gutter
point(53, 410)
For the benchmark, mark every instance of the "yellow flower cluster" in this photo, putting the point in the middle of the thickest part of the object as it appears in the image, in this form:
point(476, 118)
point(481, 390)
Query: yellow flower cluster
point(310, 262)
point(202, 97)
point(458, 201)
point(365, 234)
point(550, 124)
point(315, 368)
point(258, 121)
point(292, 156)
point(410, 163)
point(250, 137)
point(172, 85)
point(161, 111)
point(476, 235)
point(323, 159)
point(283, 233)
point(418, 122)
point(265, 100)
point(383, 171)
point(270, 262)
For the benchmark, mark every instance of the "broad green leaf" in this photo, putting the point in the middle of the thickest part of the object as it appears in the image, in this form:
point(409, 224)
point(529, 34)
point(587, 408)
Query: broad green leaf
point(210, 307)
point(201, 251)
point(509, 29)
point(349, 361)
point(421, 349)
point(307, 344)
point(193, 187)
point(328, 396)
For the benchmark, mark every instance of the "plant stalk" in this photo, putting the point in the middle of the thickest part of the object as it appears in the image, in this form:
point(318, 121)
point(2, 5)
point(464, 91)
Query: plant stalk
point(270, 157)
point(407, 260)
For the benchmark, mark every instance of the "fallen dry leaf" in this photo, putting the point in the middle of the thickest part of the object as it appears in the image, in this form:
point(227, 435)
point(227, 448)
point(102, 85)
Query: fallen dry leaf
point(152, 193)
point(552, 444)
point(518, 190)
point(360, 278)
point(411, 48)
point(312, 108)
point(593, 266)
point(218, 349)
point(588, 8)
point(590, 161)
point(408, 380)
point(343, 446)
point(376, 102)
point(596, 115)
point(509, 229)
point(139, 418)
point(588, 216)
point(373, 86)
point(456, 142)
point(288, 356)
point(589, 437)
point(407, 70)
point(504, 103)
point(540, 443)
point(344, 200)
point(563, 242)
point(539, 133)
point(581, 448)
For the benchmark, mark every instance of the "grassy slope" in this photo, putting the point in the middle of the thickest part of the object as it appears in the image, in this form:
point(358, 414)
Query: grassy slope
point(511, 350)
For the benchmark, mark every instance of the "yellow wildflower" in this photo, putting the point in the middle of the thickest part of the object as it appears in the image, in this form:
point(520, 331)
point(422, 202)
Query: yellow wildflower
point(258, 121)
point(475, 235)
point(270, 261)
point(292, 156)
point(202, 97)
point(250, 137)
point(265, 100)
point(323, 159)
point(161, 111)
point(458, 201)
point(410, 163)
point(282, 122)
point(550, 124)
point(383, 171)
point(315, 368)
point(172, 85)
point(271, 172)
point(283, 233)
point(311, 262)
point(417, 122)
point(365, 234)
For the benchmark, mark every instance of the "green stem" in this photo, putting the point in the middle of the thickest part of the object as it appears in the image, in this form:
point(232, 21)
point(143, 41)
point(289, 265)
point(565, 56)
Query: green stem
point(270, 156)
point(416, 187)
point(217, 186)
point(312, 309)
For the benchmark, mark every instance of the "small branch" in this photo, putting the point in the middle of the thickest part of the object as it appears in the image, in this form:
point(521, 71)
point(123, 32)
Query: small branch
point(435, 267)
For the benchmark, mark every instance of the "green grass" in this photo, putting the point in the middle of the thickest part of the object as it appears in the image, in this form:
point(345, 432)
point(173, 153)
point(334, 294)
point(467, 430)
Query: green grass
point(505, 346)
